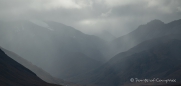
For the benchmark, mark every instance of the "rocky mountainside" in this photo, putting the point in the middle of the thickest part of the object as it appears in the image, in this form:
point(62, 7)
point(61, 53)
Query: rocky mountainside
point(38, 71)
point(46, 47)
point(14, 74)
point(156, 58)
point(153, 29)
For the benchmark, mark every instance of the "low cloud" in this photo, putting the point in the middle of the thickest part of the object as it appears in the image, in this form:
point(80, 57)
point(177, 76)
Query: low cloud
point(93, 16)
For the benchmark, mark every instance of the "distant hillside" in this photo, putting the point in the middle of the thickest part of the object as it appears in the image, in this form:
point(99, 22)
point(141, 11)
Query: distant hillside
point(106, 35)
point(40, 73)
point(14, 74)
point(46, 47)
point(79, 63)
point(158, 58)
point(153, 29)
point(138, 45)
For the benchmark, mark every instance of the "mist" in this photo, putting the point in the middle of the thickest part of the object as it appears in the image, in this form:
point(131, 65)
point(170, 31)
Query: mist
point(69, 39)
point(93, 16)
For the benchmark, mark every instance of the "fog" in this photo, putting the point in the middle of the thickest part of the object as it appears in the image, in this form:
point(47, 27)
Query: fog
point(51, 33)
point(93, 16)
point(52, 46)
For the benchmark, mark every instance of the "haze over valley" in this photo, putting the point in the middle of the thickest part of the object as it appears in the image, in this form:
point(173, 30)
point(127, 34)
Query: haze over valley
point(89, 42)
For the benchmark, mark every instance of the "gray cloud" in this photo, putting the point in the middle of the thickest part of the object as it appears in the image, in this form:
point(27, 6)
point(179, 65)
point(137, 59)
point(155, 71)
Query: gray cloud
point(93, 16)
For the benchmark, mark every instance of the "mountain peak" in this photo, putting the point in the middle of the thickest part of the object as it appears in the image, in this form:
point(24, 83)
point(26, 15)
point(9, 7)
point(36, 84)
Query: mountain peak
point(155, 22)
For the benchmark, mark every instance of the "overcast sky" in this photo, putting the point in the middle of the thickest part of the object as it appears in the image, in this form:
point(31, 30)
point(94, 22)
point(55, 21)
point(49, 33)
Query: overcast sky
point(93, 16)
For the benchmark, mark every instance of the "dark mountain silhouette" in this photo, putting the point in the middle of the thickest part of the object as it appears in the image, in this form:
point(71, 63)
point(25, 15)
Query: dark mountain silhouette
point(14, 74)
point(153, 29)
point(152, 50)
point(38, 71)
point(46, 47)
point(156, 58)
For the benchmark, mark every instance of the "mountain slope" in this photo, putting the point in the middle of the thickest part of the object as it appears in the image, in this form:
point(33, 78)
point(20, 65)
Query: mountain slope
point(38, 71)
point(156, 58)
point(106, 35)
point(74, 64)
point(153, 29)
point(44, 46)
point(14, 74)
point(79, 63)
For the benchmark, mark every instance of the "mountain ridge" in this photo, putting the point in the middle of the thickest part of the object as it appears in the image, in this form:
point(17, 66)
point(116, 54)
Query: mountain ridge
point(150, 63)
point(152, 29)
point(12, 73)
point(44, 47)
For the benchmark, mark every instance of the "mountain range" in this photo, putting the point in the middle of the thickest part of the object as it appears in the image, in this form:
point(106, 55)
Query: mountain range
point(150, 51)
point(48, 47)
point(153, 29)
point(153, 50)
point(160, 60)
